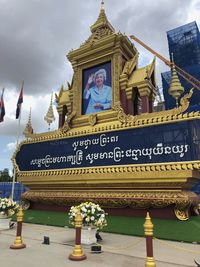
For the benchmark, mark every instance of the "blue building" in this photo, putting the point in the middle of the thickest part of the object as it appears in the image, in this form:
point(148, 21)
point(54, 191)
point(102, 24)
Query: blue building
point(184, 44)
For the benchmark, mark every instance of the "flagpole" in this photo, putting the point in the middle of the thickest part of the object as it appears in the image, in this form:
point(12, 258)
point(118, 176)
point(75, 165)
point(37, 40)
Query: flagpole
point(2, 107)
point(18, 134)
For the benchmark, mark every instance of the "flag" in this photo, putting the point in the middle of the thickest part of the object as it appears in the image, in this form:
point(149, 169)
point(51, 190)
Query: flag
point(19, 103)
point(2, 107)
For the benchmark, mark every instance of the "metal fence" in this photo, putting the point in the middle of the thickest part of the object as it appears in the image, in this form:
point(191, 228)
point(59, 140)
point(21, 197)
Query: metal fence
point(6, 190)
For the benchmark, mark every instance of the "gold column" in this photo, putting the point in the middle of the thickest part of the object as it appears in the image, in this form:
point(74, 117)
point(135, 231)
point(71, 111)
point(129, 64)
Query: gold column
point(77, 254)
point(18, 244)
point(148, 231)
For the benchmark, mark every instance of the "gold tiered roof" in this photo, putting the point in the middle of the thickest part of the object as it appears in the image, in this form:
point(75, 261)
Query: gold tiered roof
point(63, 97)
point(102, 21)
point(101, 27)
point(142, 74)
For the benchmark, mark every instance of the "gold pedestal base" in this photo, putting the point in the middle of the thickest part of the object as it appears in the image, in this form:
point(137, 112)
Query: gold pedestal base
point(77, 258)
point(18, 244)
point(77, 254)
point(150, 262)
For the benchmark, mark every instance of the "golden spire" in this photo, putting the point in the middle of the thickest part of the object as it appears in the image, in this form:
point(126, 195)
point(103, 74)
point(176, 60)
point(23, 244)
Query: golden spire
point(102, 21)
point(175, 89)
point(28, 129)
point(101, 28)
point(102, 5)
point(49, 118)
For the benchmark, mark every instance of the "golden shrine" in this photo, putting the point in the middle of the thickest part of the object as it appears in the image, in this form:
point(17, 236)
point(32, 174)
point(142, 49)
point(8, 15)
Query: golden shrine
point(117, 151)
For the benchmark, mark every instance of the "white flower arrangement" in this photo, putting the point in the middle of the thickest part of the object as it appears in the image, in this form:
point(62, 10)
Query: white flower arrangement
point(8, 206)
point(92, 214)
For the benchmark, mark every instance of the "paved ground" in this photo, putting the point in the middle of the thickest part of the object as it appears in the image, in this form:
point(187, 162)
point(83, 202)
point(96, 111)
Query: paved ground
point(117, 250)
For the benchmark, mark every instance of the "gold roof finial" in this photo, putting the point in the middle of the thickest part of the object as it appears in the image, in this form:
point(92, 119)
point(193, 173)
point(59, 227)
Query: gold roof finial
point(102, 5)
point(101, 28)
point(49, 118)
point(175, 88)
point(28, 129)
point(102, 21)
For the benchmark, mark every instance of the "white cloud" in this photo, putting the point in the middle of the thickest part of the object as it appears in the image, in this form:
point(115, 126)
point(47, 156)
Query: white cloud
point(11, 146)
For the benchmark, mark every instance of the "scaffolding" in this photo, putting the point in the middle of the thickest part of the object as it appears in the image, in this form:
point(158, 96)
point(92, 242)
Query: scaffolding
point(166, 78)
point(184, 44)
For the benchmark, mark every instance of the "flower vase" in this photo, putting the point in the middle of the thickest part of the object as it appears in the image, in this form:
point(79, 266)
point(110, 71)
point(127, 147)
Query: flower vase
point(4, 222)
point(88, 235)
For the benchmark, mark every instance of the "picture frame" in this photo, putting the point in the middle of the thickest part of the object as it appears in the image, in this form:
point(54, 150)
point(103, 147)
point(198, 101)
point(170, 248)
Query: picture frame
point(97, 88)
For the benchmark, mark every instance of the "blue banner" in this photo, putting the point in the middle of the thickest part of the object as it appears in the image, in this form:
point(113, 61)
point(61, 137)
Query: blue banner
point(173, 142)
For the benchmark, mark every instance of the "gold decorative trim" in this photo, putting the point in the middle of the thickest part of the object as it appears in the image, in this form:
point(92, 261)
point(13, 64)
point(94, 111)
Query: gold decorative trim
point(116, 70)
point(185, 101)
point(66, 126)
point(182, 213)
point(122, 169)
point(124, 122)
point(92, 119)
point(122, 199)
point(122, 116)
point(162, 117)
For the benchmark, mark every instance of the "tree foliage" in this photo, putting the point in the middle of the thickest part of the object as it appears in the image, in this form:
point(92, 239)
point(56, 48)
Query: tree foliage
point(4, 176)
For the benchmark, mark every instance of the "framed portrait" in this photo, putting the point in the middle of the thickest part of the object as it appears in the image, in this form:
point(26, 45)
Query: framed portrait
point(97, 89)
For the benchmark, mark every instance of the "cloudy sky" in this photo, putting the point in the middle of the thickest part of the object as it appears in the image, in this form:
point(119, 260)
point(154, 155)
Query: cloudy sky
point(36, 35)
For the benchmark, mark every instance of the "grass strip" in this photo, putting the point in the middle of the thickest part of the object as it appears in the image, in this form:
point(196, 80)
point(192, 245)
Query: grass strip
point(187, 231)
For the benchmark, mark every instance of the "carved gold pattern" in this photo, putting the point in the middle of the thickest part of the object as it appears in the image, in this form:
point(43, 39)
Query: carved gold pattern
point(134, 168)
point(122, 116)
point(92, 119)
point(100, 29)
point(185, 101)
point(124, 121)
point(143, 200)
point(66, 126)
point(117, 69)
point(182, 213)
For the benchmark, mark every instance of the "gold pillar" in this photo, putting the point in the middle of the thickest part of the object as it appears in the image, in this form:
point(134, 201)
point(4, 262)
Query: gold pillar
point(18, 244)
point(148, 231)
point(77, 254)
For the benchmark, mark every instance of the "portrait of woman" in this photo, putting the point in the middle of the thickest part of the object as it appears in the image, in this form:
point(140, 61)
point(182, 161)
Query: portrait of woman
point(96, 92)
